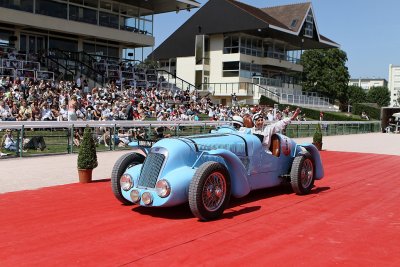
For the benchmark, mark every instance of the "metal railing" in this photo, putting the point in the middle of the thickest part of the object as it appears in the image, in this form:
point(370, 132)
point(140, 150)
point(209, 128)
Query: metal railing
point(59, 136)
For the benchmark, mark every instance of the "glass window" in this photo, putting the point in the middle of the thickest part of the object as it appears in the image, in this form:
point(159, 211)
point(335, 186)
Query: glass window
point(22, 5)
point(83, 14)
point(90, 3)
point(230, 69)
point(108, 20)
point(52, 9)
point(64, 44)
point(105, 5)
point(5, 36)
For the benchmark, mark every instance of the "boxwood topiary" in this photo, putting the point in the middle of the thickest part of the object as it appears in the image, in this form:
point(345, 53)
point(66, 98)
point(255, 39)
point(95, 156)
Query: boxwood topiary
point(87, 157)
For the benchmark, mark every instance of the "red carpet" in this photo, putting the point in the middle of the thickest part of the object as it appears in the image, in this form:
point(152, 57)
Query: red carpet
point(352, 218)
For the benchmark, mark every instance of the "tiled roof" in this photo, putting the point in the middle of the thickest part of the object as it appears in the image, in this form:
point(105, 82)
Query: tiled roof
point(288, 13)
point(258, 13)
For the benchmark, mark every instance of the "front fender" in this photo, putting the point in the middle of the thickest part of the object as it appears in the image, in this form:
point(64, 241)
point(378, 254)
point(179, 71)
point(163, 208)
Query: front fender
point(319, 168)
point(238, 174)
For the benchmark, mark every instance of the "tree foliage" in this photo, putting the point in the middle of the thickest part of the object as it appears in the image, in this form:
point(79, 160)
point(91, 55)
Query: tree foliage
point(357, 95)
point(379, 95)
point(325, 72)
point(87, 157)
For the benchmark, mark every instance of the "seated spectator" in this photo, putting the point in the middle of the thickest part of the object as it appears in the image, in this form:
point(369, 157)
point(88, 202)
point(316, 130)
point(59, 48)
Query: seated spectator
point(364, 116)
point(8, 141)
point(77, 138)
point(35, 143)
point(160, 132)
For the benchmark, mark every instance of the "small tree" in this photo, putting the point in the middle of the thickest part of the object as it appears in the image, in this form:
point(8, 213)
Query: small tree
point(317, 138)
point(87, 157)
point(379, 95)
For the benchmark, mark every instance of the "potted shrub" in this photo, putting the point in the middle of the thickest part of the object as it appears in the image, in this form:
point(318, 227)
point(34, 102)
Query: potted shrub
point(317, 138)
point(87, 157)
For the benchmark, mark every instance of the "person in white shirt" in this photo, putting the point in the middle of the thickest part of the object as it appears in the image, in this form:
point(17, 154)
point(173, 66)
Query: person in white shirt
point(47, 115)
point(265, 133)
point(8, 141)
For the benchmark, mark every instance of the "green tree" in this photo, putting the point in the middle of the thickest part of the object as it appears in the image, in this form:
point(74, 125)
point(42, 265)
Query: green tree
point(379, 95)
point(357, 95)
point(325, 72)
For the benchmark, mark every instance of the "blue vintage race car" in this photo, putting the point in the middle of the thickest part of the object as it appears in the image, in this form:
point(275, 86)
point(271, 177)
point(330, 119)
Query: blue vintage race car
point(206, 170)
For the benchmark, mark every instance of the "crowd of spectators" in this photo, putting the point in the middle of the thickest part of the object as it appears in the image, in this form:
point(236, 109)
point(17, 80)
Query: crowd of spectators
point(22, 100)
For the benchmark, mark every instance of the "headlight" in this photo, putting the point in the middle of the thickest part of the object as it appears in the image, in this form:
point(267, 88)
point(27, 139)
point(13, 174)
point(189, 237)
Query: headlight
point(126, 182)
point(163, 188)
point(135, 196)
point(147, 198)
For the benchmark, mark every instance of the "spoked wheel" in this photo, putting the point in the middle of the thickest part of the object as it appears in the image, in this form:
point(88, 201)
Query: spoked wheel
point(123, 163)
point(302, 174)
point(209, 191)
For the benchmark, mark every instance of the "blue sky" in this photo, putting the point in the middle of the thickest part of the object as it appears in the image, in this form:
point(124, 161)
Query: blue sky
point(367, 30)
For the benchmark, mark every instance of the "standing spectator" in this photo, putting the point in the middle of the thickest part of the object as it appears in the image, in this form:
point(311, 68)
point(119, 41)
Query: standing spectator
point(321, 116)
point(72, 106)
point(79, 82)
point(234, 99)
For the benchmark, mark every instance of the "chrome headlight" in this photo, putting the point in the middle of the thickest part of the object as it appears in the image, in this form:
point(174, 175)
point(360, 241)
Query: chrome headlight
point(135, 196)
point(147, 198)
point(163, 188)
point(126, 182)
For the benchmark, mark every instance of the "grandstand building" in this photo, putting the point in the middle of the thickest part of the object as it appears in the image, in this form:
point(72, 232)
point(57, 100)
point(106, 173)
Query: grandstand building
point(63, 39)
point(101, 27)
point(248, 51)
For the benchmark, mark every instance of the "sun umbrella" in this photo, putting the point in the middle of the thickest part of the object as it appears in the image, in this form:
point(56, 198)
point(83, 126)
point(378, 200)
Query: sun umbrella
point(397, 114)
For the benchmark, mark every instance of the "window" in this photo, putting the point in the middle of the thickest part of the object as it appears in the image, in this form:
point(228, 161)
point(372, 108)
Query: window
point(52, 9)
point(230, 69)
point(294, 23)
point(309, 25)
point(231, 44)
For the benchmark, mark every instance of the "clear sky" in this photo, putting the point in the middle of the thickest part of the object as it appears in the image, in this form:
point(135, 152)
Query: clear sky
point(367, 30)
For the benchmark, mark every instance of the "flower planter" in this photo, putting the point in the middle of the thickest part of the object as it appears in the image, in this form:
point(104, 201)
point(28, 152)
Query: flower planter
point(318, 145)
point(85, 175)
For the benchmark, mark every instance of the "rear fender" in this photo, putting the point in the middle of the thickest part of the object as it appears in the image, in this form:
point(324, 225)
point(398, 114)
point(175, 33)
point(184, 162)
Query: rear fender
point(319, 168)
point(237, 172)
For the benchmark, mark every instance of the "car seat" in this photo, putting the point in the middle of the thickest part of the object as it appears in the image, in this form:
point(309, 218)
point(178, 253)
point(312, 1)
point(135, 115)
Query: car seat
point(275, 146)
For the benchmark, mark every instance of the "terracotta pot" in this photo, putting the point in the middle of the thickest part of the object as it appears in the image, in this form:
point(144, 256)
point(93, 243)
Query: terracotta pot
point(318, 145)
point(85, 175)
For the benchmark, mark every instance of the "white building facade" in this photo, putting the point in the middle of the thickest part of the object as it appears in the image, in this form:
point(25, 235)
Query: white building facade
point(394, 85)
point(247, 51)
point(367, 83)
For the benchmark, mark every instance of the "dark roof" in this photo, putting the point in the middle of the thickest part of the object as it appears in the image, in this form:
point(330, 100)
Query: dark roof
point(288, 13)
point(229, 16)
point(161, 6)
point(258, 13)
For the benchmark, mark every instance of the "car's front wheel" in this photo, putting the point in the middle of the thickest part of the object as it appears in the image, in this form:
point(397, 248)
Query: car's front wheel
point(121, 165)
point(209, 191)
point(302, 174)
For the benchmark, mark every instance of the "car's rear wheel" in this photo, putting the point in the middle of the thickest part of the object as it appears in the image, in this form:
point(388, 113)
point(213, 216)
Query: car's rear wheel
point(209, 191)
point(302, 174)
point(121, 165)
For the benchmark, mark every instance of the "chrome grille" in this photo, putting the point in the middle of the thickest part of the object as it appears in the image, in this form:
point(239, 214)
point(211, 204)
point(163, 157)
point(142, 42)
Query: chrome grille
point(151, 169)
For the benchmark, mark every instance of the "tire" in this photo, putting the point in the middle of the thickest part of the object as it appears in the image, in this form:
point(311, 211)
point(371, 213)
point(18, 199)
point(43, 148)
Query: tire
point(209, 191)
point(302, 174)
point(124, 162)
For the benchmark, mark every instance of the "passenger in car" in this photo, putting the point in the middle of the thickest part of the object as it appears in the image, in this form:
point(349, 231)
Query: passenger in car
point(266, 133)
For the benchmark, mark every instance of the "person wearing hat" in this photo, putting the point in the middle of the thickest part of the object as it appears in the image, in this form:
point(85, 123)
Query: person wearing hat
point(237, 122)
point(266, 133)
